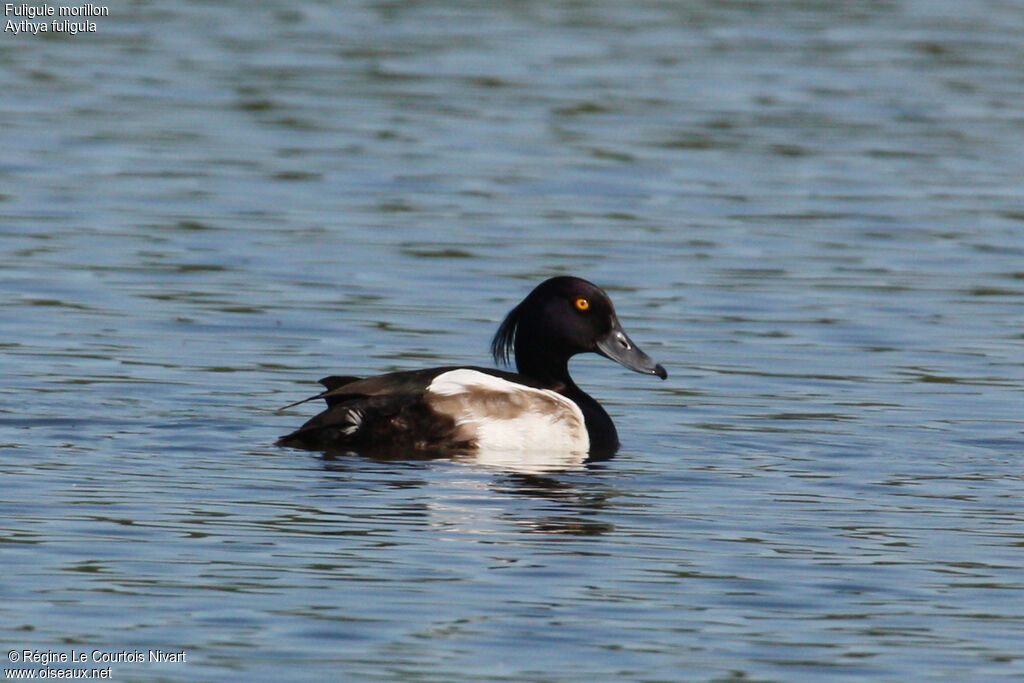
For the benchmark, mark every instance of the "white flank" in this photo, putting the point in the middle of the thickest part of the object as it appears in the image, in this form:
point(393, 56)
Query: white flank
point(500, 415)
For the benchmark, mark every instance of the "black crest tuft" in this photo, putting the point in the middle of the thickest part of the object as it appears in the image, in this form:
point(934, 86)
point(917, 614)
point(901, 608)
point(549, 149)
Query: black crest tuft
point(504, 342)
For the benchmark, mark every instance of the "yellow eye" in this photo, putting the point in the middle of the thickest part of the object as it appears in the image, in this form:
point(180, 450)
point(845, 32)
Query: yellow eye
point(582, 304)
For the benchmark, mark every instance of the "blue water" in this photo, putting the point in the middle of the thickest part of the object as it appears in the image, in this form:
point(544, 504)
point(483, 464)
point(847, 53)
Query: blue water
point(811, 215)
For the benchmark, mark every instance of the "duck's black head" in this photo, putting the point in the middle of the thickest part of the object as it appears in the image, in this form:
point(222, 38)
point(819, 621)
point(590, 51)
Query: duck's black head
point(564, 316)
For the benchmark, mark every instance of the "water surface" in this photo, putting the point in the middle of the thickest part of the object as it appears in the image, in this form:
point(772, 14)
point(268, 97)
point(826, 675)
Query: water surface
point(812, 216)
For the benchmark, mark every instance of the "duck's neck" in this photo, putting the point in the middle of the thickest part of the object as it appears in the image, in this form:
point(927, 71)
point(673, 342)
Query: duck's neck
point(554, 373)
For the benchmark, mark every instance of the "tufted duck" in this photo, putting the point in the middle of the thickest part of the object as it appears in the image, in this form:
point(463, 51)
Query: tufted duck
point(452, 410)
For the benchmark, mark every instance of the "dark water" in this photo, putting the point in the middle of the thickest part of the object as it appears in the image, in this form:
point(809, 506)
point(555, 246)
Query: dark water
point(812, 215)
